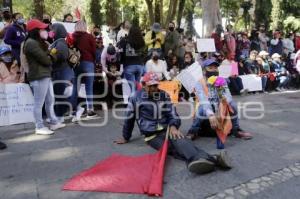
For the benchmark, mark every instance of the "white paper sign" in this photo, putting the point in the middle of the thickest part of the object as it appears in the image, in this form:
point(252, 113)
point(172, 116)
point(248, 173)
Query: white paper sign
point(70, 27)
point(251, 82)
point(206, 45)
point(225, 70)
point(16, 104)
point(190, 76)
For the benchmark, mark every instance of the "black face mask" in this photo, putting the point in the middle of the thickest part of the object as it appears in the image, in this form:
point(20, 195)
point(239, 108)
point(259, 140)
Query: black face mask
point(155, 58)
point(46, 21)
point(210, 74)
point(171, 29)
point(96, 34)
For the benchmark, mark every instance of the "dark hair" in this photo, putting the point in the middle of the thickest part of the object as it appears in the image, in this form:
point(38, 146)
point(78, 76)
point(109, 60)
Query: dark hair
point(6, 15)
point(135, 38)
point(15, 15)
point(172, 23)
point(67, 15)
point(190, 54)
point(35, 34)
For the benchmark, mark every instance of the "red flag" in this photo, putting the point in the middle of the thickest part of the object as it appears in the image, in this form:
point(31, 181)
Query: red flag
point(224, 121)
point(124, 174)
point(77, 13)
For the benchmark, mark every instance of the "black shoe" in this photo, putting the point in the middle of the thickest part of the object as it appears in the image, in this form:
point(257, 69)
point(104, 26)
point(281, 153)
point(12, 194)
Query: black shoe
point(223, 160)
point(2, 146)
point(91, 115)
point(201, 166)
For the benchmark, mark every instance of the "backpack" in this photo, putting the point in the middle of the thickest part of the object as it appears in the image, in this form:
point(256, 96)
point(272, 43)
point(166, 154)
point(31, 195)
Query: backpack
point(74, 57)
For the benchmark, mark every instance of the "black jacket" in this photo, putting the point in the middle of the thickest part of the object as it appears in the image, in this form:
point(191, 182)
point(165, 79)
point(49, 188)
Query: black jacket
point(151, 114)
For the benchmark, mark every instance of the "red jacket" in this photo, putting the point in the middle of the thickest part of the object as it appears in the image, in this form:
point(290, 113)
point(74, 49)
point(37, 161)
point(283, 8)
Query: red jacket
point(86, 43)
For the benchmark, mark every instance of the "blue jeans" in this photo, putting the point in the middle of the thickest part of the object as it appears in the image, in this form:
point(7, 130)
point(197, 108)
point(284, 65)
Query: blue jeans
point(64, 78)
point(283, 81)
point(201, 117)
point(43, 93)
point(87, 69)
point(264, 80)
point(133, 74)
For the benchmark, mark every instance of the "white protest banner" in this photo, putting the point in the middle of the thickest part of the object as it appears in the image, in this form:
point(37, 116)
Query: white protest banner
point(206, 45)
point(190, 76)
point(16, 104)
point(251, 82)
point(70, 27)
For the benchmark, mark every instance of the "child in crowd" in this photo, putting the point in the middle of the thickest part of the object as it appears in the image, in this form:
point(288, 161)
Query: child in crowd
point(10, 72)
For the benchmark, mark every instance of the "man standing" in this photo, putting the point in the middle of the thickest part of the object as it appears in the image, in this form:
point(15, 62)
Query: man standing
point(154, 113)
point(172, 41)
point(154, 40)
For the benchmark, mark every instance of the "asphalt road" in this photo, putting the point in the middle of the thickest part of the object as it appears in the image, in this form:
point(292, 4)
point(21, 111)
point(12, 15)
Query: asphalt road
point(35, 167)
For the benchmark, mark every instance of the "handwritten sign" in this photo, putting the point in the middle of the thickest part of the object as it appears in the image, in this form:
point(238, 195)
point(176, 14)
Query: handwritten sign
point(228, 69)
point(190, 76)
point(206, 45)
point(70, 27)
point(251, 82)
point(16, 104)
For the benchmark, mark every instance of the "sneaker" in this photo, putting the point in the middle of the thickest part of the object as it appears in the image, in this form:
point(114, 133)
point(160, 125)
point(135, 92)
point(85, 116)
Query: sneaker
point(244, 92)
point(43, 131)
point(91, 115)
point(2, 146)
point(201, 166)
point(57, 126)
point(61, 119)
point(223, 160)
point(78, 115)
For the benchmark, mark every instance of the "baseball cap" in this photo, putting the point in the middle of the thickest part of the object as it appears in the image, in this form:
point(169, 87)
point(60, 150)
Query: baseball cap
point(210, 62)
point(156, 27)
point(150, 79)
point(36, 24)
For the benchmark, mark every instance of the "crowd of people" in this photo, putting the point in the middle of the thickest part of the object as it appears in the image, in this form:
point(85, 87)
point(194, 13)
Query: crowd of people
point(55, 63)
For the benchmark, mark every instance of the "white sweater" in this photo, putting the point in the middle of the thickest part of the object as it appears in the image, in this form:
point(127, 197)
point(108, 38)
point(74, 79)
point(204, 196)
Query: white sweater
point(160, 68)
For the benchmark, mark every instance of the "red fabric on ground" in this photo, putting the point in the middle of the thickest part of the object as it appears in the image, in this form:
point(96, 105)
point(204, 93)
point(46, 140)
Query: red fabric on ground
point(123, 174)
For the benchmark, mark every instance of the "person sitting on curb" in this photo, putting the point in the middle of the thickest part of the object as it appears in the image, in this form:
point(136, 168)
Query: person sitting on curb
point(208, 104)
point(154, 113)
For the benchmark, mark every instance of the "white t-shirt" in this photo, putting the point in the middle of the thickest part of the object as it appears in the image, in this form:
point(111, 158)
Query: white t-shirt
point(160, 68)
point(121, 34)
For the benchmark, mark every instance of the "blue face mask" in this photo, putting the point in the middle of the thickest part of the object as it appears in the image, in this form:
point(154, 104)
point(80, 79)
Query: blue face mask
point(7, 59)
point(20, 21)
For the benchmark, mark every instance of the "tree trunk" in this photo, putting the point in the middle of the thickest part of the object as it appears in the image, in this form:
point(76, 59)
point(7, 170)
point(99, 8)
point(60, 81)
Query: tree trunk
point(112, 13)
point(39, 8)
point(171, 11)
point(211, 16)
point(158, 11)
point(150, 10)
point(95, 13)
point(180, 12)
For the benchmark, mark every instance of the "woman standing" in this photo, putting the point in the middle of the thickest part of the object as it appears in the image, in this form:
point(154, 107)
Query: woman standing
point(131, 56)
point(39, 76)
point(86, 44)
point(15, 35)
point(62, 74)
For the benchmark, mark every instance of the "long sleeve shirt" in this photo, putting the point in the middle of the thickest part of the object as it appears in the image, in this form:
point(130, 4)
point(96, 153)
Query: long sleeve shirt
point(211, 101)
point(160, 68)
point(151, 115)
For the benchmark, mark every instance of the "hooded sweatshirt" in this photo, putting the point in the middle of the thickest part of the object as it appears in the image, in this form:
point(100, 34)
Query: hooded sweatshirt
point(61, 46)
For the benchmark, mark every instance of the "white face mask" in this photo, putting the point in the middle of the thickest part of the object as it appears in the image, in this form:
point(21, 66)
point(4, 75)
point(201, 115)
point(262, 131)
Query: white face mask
point(44, 34)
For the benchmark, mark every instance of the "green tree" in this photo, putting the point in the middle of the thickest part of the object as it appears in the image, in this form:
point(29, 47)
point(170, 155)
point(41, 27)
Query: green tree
point(39, 8)
point(276, 14)
point(95, 12)
point(262, 13)
point(54, 8)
